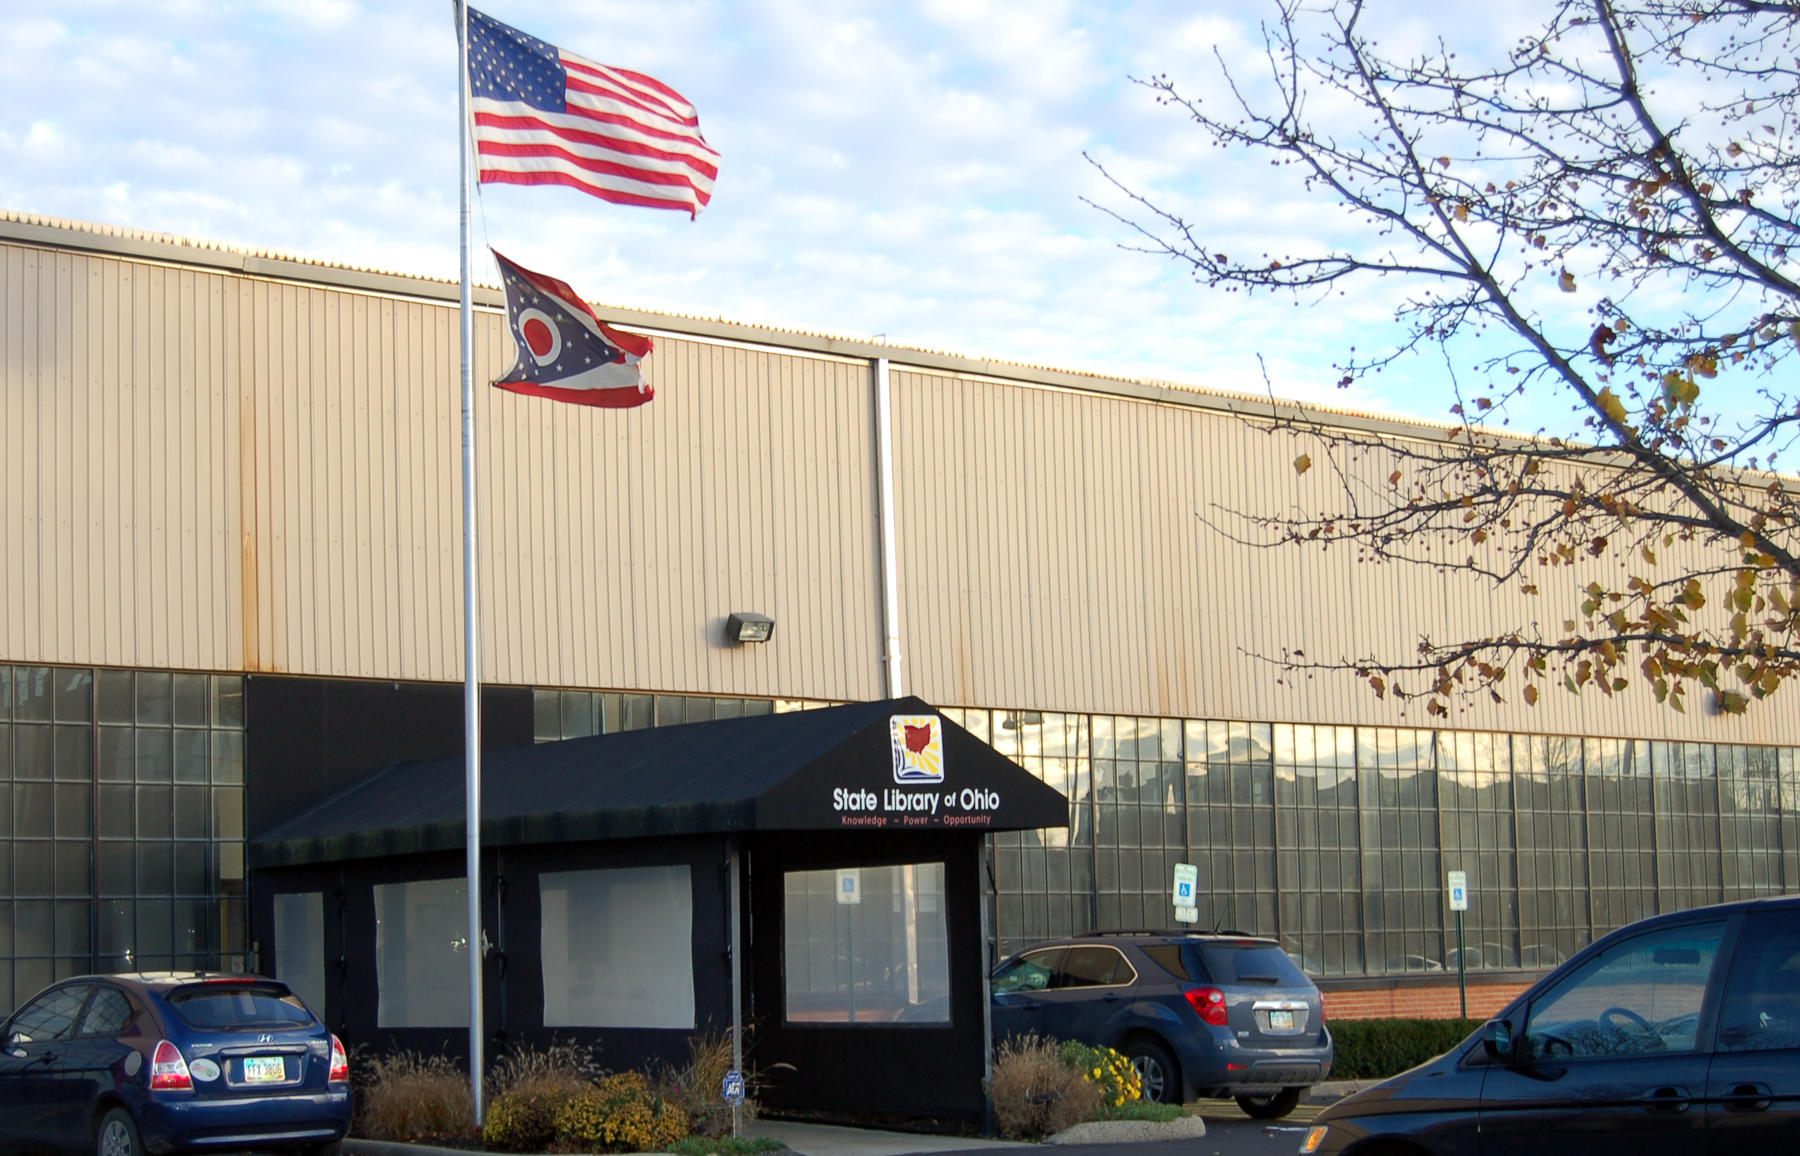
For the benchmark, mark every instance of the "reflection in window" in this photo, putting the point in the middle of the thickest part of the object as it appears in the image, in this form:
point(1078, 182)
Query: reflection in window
point(1637, 997)
point(867, 945)
point(1761, 1012)
point(421, 965)
point(300, 946)
point(618, 948)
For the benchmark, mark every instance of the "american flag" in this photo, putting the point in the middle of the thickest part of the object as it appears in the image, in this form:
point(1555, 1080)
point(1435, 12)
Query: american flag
point(544, 116)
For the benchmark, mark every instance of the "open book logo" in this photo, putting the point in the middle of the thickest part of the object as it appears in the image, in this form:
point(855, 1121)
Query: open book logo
point(918, 745)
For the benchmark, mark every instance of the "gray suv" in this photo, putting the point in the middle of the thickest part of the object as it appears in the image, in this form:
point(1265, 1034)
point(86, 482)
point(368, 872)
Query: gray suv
point(1221, 1014)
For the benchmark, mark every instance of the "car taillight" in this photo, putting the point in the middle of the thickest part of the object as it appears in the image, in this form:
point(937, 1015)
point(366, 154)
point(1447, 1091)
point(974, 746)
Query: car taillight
point(168, 1071)
point(1209, 1004)
point(340, 1063)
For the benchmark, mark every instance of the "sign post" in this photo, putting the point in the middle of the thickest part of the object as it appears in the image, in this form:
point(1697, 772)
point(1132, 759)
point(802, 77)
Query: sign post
point(1187, 883)
point(1459, 902)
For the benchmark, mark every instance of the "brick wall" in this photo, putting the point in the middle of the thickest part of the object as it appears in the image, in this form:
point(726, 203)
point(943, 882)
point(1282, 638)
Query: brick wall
point(1438, 1001)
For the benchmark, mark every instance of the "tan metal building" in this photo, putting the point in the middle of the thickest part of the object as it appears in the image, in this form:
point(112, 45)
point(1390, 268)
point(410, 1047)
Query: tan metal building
point(219, 464)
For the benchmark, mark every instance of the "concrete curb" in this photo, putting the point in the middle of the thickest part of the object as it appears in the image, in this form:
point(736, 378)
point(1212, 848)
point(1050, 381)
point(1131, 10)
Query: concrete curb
point(1131, 1131)
point(356, 1146)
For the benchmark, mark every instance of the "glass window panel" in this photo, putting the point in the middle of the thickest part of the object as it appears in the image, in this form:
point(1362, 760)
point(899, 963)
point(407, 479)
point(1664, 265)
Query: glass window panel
point(114, 696)
point(300, 946)
point(33, 752)
point(155, 812)
point(74, 695)
point(6, 829)
point(35, 868)
point(74, 811)
point(228, 701)
point(617, 947)
point(115, 868)
point(34, 927)
point(228, 813)
point(74, 757)
point(421, 965)
point(35, 808)
point(759, 706)
point(866, 945)
point(637, 712)
point(155, 756)
point(228, 757)
point(546, 716)
point(155, 930)
point(156, 869)
point(671, 710)
point(191, 694)
point(190, 756)
point(74, 927)
point(118, 754)
point(32, 691)
point(191, 876)
point(191, 806)
point(230, 860)
point(155, 705)
point(6, 683)
point(578, 719)
point(74, 869)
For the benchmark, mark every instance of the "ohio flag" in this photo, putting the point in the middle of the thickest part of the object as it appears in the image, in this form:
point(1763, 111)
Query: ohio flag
point(565, 352)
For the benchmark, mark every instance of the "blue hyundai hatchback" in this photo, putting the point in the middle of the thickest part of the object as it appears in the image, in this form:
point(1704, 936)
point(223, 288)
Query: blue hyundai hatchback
point(122, 1065)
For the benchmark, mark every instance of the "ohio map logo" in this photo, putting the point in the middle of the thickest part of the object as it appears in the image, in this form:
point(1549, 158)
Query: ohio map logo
point(918, 743)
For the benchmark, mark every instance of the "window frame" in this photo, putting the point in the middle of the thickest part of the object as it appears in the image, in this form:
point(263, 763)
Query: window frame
point(1074, 947)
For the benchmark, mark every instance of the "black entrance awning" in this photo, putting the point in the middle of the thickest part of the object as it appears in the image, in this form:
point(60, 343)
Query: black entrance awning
point(891, 765)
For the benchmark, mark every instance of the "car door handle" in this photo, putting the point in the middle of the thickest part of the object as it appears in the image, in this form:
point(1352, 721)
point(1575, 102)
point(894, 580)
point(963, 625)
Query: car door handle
point(1667, 1098)
point(1034, 1005)
point(1747, 1098)
point(1112, 997)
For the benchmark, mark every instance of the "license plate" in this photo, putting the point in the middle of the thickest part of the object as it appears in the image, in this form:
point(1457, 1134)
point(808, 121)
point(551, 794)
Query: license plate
point(265, 1070)
point(1281, 1021)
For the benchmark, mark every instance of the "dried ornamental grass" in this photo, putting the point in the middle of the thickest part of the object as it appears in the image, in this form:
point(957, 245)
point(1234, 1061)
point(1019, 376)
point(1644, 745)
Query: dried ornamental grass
point(699, 1087)
point(409, 1096)
point(1036, 1091)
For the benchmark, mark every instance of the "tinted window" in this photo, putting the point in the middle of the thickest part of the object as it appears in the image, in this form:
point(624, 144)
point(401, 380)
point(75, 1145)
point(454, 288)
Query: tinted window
point(1093, 967)
point(51, 1016)
point(225, 1009)
point(108, 1014)
point(1761, 1010)
point(1262, 963)
point(1169, 957)
point(1637, 997)
point(1028, 972)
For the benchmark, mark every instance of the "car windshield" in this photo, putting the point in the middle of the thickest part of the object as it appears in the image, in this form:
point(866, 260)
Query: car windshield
point(1251, 962)
point(238, 1008)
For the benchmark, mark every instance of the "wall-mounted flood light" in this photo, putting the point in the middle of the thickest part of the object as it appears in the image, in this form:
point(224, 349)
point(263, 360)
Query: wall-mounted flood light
point(744, 626)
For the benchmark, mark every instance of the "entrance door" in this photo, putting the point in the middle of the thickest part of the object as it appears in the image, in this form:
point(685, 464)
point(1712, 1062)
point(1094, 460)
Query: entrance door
point(1609, 1063)
point(1753, 1091)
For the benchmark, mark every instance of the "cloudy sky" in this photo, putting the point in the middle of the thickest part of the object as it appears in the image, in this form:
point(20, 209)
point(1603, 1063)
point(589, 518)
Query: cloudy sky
point(911, 169)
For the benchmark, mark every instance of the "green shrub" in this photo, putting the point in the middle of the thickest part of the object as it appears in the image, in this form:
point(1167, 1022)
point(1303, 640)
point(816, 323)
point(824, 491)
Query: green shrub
point(620, 1114)
point(523, 1119)
point(1377, 1049)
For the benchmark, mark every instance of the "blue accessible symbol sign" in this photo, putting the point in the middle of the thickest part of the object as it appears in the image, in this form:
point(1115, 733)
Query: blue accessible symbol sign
point(734, 1087)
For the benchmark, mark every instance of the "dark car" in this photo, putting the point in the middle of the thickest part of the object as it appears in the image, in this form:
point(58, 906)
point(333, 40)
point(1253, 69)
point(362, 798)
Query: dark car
point(121, 1065)
point(1198, 1015)
point(1677, 1034)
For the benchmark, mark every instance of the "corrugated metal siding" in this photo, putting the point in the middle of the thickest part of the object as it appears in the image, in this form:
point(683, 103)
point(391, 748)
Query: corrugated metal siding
point(210, 471)
point(1055, 555)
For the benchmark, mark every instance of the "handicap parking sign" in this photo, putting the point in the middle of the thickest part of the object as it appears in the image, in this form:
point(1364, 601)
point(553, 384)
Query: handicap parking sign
point(1187, 882)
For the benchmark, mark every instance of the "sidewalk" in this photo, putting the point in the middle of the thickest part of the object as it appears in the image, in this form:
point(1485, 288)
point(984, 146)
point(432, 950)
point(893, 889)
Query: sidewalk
point(835, 1140)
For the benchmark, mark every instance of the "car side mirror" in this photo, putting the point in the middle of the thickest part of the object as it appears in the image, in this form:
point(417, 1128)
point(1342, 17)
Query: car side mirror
point(1497, 1038)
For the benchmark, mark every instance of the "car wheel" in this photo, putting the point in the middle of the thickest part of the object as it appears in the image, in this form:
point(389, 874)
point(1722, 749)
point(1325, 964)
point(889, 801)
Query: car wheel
point(1272, 1107)
point(118, 1135)
point(1160, 1079)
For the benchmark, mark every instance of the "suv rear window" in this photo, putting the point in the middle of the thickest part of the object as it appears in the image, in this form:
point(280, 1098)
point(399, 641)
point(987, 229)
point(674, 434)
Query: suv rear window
point(228, 1008)
point(1260, 963)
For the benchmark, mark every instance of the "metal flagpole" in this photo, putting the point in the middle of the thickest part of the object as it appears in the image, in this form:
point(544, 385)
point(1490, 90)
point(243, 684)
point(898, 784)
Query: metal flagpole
point(471, 603)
